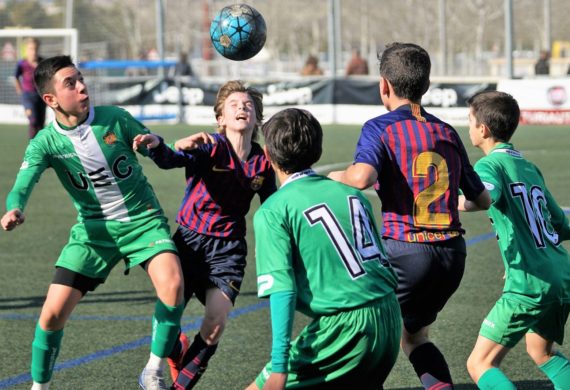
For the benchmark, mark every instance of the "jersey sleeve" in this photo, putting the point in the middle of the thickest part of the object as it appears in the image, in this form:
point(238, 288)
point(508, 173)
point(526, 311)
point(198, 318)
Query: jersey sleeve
point(369, 149)
point(18, 71)
point(35, 162)
point(167, 158)
point(282, 306)
point(274, 254)
point(490, 178)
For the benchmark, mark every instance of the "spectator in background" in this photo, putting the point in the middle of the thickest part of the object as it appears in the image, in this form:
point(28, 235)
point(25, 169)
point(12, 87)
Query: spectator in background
point(311, 67)
point(542, 66)
point(182, 67)
point(356, 65)
point(24, 83)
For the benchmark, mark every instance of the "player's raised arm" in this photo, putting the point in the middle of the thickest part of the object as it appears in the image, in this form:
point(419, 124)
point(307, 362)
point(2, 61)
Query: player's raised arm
point(193, 141)
point(358, 175)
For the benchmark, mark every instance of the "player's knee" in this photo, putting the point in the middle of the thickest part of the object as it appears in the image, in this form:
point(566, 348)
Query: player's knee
point(538, 355)
point(51, 321)
point(473, 364)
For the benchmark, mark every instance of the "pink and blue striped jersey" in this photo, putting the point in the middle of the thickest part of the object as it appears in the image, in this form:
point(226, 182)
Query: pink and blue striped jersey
point(421, 164)
point(219, 187)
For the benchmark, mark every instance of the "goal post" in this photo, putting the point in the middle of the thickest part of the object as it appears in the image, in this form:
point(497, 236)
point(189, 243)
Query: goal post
point(53, 41)
point(70, 36)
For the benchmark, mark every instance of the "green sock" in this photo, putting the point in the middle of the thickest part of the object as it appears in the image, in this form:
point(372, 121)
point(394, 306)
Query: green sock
point(557, 369)
point(165, 328)
point(45, 349)
point(494, 379)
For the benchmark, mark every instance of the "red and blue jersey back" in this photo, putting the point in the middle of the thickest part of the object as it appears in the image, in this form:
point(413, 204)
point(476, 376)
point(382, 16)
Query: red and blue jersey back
point(219, 186)
point(422, 165)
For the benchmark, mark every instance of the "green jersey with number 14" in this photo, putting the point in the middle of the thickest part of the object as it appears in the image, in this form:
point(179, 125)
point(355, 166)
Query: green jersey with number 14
point(96, 165)
point(530, 227)
point(317, 237)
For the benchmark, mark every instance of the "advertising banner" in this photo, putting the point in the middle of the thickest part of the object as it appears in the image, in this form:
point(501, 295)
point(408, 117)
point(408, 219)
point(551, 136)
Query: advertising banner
point(542, 100)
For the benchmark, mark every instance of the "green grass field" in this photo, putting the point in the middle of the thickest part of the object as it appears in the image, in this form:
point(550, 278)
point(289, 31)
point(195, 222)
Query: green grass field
point(106, 342)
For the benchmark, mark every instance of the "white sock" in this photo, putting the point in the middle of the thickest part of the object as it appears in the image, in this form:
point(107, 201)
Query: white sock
point(155, 362)
point(40, 386)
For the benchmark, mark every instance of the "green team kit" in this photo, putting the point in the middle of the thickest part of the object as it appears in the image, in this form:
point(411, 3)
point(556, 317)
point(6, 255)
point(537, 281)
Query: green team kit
point(317, 237)
point(119, 215)
point(530, 227)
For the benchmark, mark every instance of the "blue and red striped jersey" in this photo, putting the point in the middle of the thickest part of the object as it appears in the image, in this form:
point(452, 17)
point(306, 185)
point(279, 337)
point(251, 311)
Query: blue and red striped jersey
point(219, 186)
point(421, 164)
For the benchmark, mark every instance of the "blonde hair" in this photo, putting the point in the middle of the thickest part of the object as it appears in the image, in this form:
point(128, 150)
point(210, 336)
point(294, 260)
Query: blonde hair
point(239, 86)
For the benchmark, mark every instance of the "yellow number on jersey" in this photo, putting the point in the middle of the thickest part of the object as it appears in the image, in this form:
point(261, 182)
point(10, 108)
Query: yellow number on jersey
point(422, 164)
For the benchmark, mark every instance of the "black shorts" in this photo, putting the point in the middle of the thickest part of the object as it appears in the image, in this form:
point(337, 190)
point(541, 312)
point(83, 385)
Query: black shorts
point(73, 279)
point(210, 262)
point(428, 275)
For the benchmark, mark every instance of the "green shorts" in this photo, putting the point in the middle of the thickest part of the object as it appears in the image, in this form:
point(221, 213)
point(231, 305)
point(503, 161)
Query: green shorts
point(355, 347)
point(508, 322)
point(95, 247)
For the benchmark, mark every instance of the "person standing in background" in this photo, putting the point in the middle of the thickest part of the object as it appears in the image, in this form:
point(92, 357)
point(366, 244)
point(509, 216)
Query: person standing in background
point(34, 106)
point(357, 65)
point(542, 66)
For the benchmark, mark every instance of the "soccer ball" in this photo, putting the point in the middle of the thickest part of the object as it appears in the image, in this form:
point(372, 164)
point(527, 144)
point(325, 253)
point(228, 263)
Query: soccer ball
point(238, 32)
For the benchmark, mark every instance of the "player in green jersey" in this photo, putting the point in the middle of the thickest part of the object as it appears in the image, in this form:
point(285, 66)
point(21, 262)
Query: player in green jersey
point(119, 217)
point(318, 252)
point(530, 227)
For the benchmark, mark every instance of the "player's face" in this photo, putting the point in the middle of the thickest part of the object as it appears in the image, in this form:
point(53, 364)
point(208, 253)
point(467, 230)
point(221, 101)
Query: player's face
point(238, 113)
point(475, 130)
point(70, 95)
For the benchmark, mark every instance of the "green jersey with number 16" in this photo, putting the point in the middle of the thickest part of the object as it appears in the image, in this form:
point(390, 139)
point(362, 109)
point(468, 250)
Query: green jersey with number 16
point(95, 163)
point(530, 227)
point(317, 237)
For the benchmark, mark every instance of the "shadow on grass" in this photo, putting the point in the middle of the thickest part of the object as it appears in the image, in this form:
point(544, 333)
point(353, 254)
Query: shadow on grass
point(521, 385)
point(147, 296)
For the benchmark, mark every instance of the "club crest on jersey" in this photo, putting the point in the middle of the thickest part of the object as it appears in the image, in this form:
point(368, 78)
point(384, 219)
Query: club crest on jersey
point(110, 137)
point(257, 182)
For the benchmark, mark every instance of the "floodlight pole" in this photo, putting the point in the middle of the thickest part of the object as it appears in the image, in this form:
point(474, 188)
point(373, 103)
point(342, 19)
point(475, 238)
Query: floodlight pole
point(443, 37)
point(160, 34)
point(509, 37)
point(547, 25)
point(334, 35)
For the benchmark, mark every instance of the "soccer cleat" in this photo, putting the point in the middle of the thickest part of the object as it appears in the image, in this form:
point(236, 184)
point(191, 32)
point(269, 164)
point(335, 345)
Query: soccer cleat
point(152, 380)
point(175, 363)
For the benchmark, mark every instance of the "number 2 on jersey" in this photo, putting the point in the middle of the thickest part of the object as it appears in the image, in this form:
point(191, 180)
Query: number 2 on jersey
point(422, 165)
point(362, 230)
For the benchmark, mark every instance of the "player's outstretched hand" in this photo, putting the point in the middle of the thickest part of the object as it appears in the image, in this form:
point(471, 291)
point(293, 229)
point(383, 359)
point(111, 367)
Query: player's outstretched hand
point(193, 141)
point(151, 141)
point(12, 219)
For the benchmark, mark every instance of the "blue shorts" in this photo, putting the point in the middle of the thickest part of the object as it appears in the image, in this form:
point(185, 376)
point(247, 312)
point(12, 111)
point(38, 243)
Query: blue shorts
point(428, 275)
point(35, 109)
point(210, 262)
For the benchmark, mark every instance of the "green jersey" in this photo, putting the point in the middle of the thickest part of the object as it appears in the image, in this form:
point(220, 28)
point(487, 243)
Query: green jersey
point(529, 225)
point(317, 237)
point(95, 163)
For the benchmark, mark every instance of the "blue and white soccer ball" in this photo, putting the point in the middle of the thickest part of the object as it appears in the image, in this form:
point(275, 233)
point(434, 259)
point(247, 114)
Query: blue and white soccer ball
point(238, 32)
